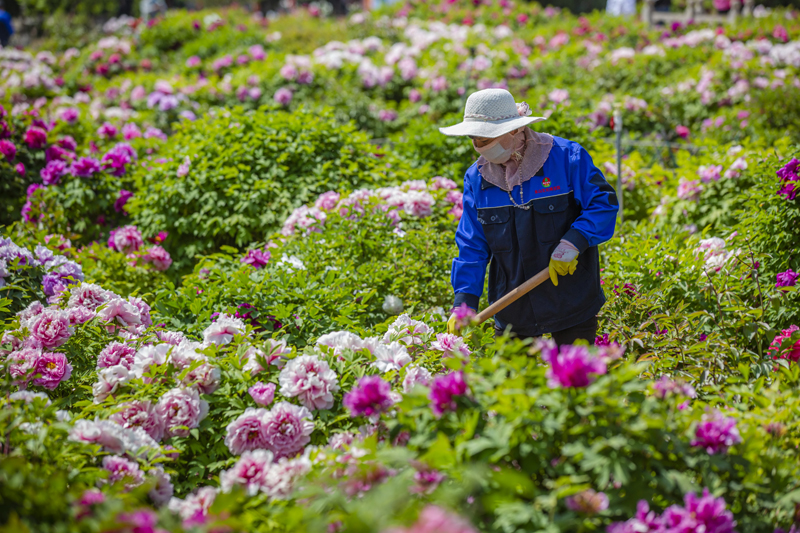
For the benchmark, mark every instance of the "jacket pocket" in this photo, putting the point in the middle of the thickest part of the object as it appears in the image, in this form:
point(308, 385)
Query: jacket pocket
point(552, 218)
point(498, 228)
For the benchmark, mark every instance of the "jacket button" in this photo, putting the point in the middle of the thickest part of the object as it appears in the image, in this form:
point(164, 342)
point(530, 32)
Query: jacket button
point(551, 207)
point(494, 218)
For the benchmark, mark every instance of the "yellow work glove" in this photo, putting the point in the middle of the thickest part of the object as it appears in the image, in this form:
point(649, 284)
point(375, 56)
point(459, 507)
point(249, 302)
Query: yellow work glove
point(452, 326)
point(563, 261)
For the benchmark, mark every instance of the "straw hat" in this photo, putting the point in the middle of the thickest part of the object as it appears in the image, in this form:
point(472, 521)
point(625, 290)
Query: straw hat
point(491, 113)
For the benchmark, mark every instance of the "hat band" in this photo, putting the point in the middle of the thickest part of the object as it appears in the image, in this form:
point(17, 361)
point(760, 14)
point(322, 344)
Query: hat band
point(489, 118)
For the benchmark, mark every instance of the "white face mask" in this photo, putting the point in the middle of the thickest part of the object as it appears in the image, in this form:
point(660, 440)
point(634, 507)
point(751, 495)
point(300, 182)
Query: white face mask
point(498, 151)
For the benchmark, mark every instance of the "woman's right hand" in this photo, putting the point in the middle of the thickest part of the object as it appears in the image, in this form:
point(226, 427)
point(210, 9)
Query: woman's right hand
point(452, 326)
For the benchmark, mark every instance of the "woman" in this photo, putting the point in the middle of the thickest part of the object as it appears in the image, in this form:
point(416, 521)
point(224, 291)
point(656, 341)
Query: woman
point(531, 201)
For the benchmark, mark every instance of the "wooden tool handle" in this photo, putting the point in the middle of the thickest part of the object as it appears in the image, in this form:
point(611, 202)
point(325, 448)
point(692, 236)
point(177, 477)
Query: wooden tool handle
point(513, 296)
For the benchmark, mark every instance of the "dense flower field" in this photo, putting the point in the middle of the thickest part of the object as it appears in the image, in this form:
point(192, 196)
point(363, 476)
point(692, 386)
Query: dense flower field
point(224, 278)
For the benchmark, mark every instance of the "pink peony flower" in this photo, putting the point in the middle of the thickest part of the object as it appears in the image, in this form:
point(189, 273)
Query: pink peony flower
point(416, 375)
point(163, 490)
point(181, 410)
point(571, 366)
point(588, 502)
point(689, 189)
point(222, 331)
point(109, 381)
point(464, 315)
point(392, 356)
point(247, 432)
point(131, 131)
point(283, 96)
point(140, 414)
point(451, 345)
point(120, 312)
point(158, 257)
point(250, 472)
point(444, 391)
point(144, 310)
point(88, 295)
point(53, 171)
point(435, 519)
point(262, 394)
point(122, 469)
point(667, 387)
point(682, 131)
point(327, 201)
point(439, 182)
point(258, 361)
point(407, 330)
point(716, 433)
point(51, 368)
point(288, 429)
point(370, 397)
point(310, 380)
point(51, 327)
point(127, 239)
point(147, 357)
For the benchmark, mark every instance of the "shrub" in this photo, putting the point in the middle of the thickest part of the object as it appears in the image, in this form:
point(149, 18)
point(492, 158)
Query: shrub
point(244, 172)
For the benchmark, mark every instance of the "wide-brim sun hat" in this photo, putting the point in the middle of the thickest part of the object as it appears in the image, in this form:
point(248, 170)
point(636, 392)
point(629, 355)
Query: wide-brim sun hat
point(491, 113)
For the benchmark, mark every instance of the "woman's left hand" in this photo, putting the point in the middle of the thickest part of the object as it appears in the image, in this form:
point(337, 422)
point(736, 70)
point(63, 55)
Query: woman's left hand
point(563, 261)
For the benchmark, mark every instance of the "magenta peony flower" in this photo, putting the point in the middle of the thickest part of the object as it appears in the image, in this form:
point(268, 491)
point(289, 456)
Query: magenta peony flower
point(698, 514)
point(571, 366)
point(52, 368)
point(310, 380)
point(35, 138)
point(787, 279)
point(122, 199)
point(464, 315)
point(716, 433)
point(792, 353)
point(256, 257)
point(116, 159)
point(288, 428)
point(283, 96)
point(8, 149)
point(51, 328)
point(181, 410)
point(159, 258)
point(122, 469)
point(682, 131)
point(20, 169)
point(140, 414)
point(85, 167)
point(56, 153)
point(370, 397)
point(247, 432)
point(262, 394)
point(444, 391)
point(107, 131)
point(70, 114)
point(52, 172)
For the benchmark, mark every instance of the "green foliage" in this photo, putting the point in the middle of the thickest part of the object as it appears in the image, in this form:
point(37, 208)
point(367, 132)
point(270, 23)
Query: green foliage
point(248, 170)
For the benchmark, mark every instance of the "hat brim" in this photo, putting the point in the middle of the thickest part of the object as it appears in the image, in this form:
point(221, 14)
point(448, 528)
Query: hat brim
point(489, 130)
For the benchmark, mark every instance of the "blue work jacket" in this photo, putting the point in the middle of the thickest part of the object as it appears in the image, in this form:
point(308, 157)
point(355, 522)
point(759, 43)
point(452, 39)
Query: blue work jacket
point(569, 198)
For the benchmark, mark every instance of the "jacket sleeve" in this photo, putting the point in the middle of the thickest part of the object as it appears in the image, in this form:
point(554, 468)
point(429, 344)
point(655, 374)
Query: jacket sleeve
point(597, 199)
point(469, 268)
